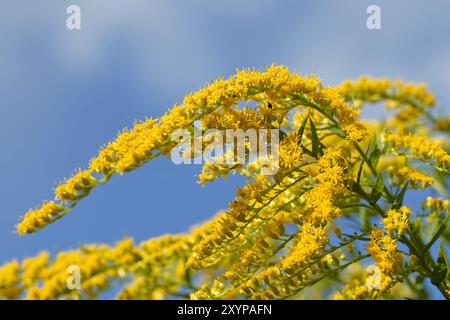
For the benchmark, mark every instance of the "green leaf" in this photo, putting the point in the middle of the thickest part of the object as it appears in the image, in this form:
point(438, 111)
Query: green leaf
point(373, 151)
point(438, 233)
point(365, 221)
point(302, 128)
point(439, 183)
point(440, 271)
point(361, 166)
point(375, 156)
point(282, 134)
point(442, 255)
point(377, 189)
point(420, 279)
point(398, 201)
point(356, 187)
point(316, 145)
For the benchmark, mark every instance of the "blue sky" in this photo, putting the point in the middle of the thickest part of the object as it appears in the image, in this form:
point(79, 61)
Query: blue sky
point(65, 93)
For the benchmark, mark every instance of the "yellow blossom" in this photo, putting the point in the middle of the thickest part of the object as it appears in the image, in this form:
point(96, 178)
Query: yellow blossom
point(298, 232)
point(419, 147)
point(36, 219)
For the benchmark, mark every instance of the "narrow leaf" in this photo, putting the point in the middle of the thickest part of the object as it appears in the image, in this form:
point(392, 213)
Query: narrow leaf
point(301, 130)
point(441, 229)
point(361, 166)
point(398, 201)
point(316, 146)
point(440, 272)
point(377, 189)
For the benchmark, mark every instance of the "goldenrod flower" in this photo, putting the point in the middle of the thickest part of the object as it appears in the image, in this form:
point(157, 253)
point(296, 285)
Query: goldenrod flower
point(284, 233)
point(9, 279)
point(417, 179)
point(148, 139)
point(395, 92)
point(384, 251)
point(436, 204)
point(76, 187)
point(418, 147)
point(36, 219)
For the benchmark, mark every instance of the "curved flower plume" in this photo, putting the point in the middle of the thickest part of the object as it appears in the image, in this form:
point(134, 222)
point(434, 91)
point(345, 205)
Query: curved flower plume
point(159, 261)
point(395, 93)
point(420, 148)
point(307, 230)
point(411, 100)
point(148, 139)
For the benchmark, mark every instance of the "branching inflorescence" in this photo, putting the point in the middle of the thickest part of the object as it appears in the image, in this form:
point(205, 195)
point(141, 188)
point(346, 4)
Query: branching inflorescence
point(331, 222)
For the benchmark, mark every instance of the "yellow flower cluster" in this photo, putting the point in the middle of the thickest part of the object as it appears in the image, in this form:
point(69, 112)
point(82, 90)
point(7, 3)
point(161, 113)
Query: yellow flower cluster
point(417, 179)
point(290, 152)
point(38, 218)
point(328, 177)
point(347, 117)
point(323, 188)
point(405, 120)
point(395, 92)
point(383, 249)
point(356, 289)
point(400, 172)
point(97, 266)
point(246, 212)
point(33, 267)
point(161, 270)
point(396, 222)
point(153, 269)
point(353, 290)
point(133, 148)
point(292, 271)
point(436, 204)
point(75, 187)
point(9, 279)
point(282, 233)
point(412, 101)
point(419, 147)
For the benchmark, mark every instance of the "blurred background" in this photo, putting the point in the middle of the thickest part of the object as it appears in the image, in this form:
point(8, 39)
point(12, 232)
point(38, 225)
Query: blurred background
point(64, 93)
